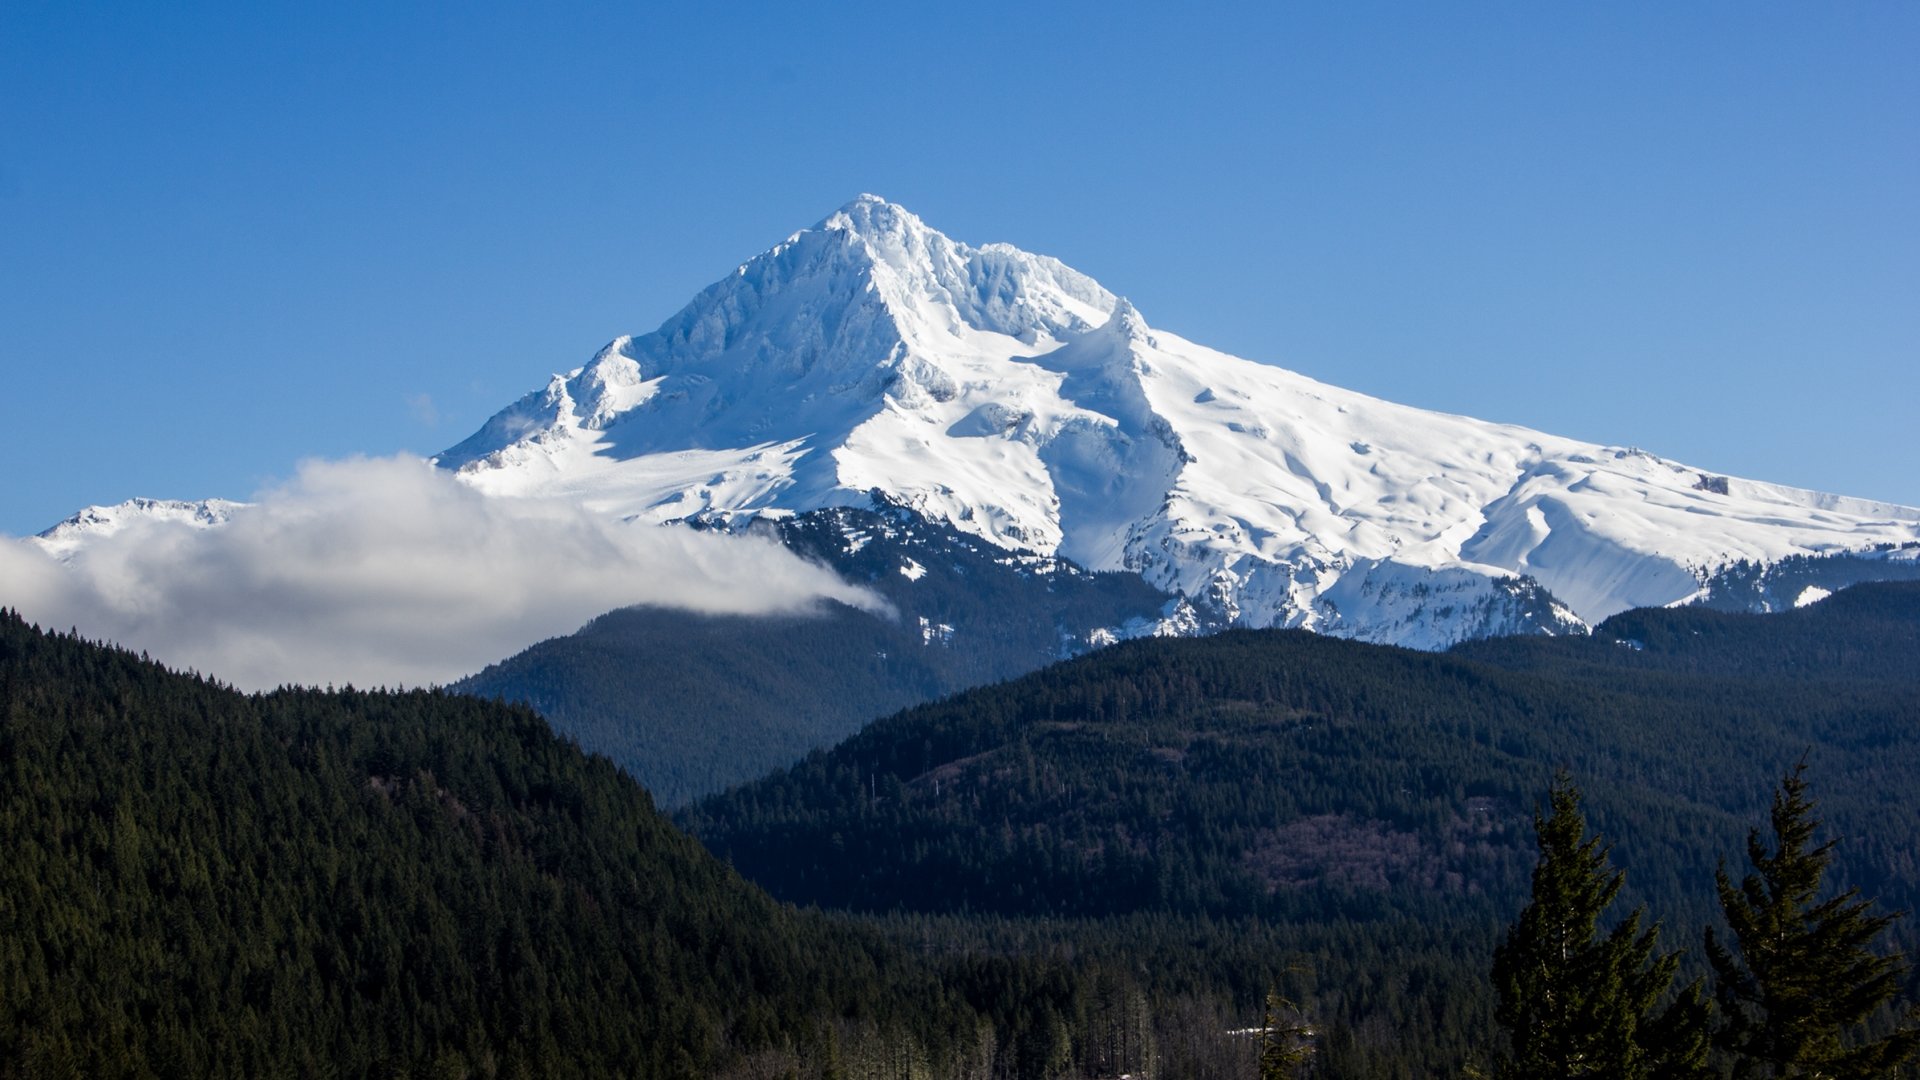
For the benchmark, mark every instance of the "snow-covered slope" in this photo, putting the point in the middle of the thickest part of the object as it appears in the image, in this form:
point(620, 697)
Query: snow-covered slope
point(1019, 400)
point(98, 522)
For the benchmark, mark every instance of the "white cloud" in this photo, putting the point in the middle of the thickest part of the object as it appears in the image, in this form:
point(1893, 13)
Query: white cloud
point(388, 571)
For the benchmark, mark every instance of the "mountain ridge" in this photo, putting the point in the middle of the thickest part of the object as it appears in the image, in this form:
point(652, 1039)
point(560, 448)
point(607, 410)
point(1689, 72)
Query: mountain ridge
point(1149, 776)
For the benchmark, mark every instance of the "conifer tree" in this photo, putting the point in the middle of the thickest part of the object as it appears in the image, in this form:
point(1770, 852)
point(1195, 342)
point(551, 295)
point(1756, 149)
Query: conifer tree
point(1576, 1003)
point(1804, 981)
point(1679, 1042)
point(1284, 1040)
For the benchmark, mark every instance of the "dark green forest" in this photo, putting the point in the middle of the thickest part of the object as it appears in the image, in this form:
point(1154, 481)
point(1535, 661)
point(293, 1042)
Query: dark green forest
point(1103, 868)
point(204, 883)
point(1363, 812)
point(201, 883)
point(1287, 775)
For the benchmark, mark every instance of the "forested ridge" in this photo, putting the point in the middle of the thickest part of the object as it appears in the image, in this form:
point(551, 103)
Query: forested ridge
point(1297, 788)
point(202, 883)
point(1191, 775)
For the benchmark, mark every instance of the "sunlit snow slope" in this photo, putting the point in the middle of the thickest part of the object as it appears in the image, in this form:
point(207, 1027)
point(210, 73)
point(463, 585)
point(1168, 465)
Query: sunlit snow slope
point(1021, 401)
point(99, 522)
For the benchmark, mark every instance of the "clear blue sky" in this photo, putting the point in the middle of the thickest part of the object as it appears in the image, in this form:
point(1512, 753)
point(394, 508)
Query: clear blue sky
point(235, 236)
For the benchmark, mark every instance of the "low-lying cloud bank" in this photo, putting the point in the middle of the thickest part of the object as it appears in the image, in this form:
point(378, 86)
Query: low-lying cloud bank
point(389, 572)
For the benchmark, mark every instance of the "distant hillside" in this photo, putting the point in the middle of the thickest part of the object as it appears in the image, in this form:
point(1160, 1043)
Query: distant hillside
point(1762, 586)
point(692, 704)
point(1867, 632)
point(1290, 776)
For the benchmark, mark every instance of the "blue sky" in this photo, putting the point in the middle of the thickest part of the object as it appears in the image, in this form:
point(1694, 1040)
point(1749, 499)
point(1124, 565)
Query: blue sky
point(233, 237)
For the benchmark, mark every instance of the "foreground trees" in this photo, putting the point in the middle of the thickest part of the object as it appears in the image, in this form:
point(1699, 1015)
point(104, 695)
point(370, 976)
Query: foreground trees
point(1796, 993)
point(1575, 1002)
point(1803, 980)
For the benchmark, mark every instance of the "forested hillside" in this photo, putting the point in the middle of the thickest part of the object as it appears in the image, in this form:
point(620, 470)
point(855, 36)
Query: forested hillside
point(198, 883)
point(1864, 634)
point(1312, 788)
point(1272, 773)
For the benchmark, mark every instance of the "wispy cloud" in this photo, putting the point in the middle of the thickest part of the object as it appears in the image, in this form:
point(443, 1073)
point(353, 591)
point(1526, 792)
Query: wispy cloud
point(387, 571)
point(424, 410)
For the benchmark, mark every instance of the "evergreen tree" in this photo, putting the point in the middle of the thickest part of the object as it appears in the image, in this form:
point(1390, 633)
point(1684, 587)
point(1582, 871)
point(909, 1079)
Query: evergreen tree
point(1679, 1041)
point(1575, 1003)
point(1284, 1040)
point(1804, 979)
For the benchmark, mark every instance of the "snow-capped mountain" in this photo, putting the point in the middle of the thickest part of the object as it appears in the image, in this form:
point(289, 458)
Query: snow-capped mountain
point(1020, 401)
point(98, 522)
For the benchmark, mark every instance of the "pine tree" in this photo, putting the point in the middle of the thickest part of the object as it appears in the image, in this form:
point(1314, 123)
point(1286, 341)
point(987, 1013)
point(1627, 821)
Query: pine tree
point(1804, 979)
point(1575, 1003)
point(1284, 1040)
point(1679, 1042)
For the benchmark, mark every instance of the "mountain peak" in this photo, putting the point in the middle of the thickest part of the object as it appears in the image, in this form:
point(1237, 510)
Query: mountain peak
point(867, 211)
point(1127, 322)
point(1015, 398)
point(894, 236)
